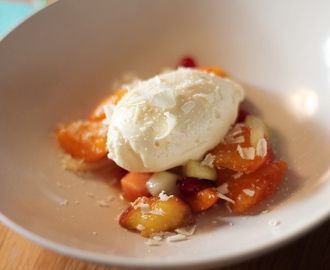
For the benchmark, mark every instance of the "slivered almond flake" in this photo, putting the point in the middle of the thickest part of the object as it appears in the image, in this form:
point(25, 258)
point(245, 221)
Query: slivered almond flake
point(187, 231)
point(163, 197)
point(168, 234)
point(273, 222)
point(249, 192)
point(110, 198)
point(152, 242)
point(163, 99)
point(157, 211)
point(246, 152)
point(256, 133)
point(228, 208)
point(223, 189)
point(176, 238)
point(64, 202)
point(157, 238)
point(237, 175)
point(171, 122)
point(102, 203)
point(221, 196)
point(180, 234)
point(208, 160)
point(144, 207)
point(108, 110)
point(188, 106)
point(140, 227)
point(239, 139)
point(261, 149)
point(236, 130)
point(90, 194)
point(207, 98)
point(161, 235)
point(235, 135)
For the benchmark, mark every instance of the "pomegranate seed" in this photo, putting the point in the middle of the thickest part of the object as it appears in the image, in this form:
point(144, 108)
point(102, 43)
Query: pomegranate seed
point(187, 62)
point(189, 186)
point(242, 114)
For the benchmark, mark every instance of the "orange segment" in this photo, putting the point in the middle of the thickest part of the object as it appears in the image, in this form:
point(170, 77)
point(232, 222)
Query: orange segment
point(83, 139)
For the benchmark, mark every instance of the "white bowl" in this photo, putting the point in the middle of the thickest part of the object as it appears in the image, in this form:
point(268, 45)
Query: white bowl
point(60, 62)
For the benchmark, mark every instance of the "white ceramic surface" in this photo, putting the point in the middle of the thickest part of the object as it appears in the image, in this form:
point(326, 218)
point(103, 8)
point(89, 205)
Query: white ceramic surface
point(58, 64)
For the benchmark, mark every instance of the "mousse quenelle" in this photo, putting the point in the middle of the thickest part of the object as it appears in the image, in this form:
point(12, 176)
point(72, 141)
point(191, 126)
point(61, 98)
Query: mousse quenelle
point(165, 121)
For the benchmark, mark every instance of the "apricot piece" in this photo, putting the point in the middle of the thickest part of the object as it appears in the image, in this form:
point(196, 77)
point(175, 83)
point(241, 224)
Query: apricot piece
point(98, 113)
point(236, 152)
point(150, 215)
point(83, 139)
point(202, 199)
point(247, 190)
point(134, 185)
point(216, 70)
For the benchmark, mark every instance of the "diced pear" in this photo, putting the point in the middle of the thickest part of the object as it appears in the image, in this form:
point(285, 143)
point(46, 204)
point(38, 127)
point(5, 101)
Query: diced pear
point(256, 133)
point(156, 214)
point(194, 168)
point(163, 181)
point(254, 121)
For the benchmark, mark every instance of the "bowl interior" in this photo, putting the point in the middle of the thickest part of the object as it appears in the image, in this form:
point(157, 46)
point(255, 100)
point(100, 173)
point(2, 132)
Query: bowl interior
point(59, 63)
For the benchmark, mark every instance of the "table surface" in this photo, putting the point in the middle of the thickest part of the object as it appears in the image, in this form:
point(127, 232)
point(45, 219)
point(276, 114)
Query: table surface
point(311, 251)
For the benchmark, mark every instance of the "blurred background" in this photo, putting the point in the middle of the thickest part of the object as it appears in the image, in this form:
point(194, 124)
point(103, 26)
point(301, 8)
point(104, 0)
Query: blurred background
point(12, 12)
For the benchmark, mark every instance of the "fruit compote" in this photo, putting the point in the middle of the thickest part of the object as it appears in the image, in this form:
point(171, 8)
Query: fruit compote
point(240, 171)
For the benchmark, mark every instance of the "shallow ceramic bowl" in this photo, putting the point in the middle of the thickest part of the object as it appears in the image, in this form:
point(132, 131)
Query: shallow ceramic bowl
point(59, 63)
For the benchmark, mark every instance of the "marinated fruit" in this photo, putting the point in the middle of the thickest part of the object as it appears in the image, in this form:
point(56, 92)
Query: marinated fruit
point(151, 215)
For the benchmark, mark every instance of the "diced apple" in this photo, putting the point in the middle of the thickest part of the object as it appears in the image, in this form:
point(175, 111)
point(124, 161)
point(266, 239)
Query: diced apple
point(157, 214)
point(197, 169)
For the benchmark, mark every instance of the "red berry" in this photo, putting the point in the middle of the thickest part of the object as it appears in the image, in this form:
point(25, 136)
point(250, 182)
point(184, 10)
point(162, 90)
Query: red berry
point(242, 114)
point(187, 62)
point(189, 186)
